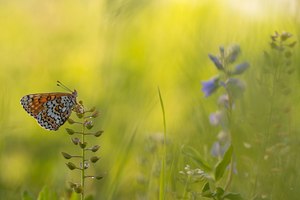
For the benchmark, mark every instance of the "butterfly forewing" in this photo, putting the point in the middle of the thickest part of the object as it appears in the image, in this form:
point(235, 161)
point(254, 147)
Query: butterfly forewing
point(51, 110)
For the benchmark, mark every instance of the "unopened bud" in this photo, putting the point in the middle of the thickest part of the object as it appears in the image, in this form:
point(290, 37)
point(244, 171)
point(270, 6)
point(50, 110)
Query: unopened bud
point(89, 124)
point(78, 189)
point(71, 166)
point(95, 148)
point(75, 140)
point(79, 115)
point(98, 177)
point(94, 159)
point(70, 131)
point(98, 133)
point(71, 121)
point(95, 114)
point(83, 145)
point(66, 156)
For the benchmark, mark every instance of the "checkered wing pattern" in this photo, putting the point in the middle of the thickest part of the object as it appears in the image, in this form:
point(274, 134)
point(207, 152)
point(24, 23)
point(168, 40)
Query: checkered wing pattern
point(51, 110)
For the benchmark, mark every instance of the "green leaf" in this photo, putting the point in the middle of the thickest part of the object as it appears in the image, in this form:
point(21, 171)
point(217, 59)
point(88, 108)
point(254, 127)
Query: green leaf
point(233, 196)
point(196, 157)
point(221, 166)
point(206, 191)
point(26, 196)
point(46, 194)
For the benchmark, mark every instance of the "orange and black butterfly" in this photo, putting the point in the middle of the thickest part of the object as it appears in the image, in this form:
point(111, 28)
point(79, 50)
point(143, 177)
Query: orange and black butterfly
point(51, 110)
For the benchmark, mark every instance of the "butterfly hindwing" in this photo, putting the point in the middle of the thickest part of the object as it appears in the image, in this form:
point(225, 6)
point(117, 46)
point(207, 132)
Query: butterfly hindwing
point(51, 110)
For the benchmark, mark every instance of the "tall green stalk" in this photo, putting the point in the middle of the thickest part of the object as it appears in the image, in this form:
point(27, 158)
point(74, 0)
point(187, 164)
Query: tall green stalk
point(162, 173)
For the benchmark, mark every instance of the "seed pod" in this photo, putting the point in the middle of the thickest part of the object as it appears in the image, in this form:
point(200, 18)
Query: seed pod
point(95, 114)
point(95, 148)
point(98, 133)
point(94, 159)
point(82, 145)
point(66, 156)
point(70, 131)
point(71, 121)
point(89, 124)
point(75, 141)
point(71, 166)
point(78, 189)
point(98, 177)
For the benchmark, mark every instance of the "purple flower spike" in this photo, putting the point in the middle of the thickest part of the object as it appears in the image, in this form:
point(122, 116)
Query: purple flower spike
point(216, 61)
point(210, 86)
point(239, 69)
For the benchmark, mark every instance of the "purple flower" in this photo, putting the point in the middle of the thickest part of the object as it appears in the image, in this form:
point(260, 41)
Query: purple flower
point(216, 61)
point(216, 118)
point(210, 86)
point(235, 86)
point(239, 69)
point(218, 149)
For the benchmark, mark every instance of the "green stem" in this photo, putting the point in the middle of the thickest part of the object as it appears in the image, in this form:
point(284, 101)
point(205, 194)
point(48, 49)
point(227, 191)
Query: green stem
point(229, 178)
point(83, 163)
point(162, 176)
point(229, 116)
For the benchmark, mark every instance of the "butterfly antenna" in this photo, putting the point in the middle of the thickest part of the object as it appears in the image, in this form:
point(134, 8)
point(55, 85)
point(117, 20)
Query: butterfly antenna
point(63, 86)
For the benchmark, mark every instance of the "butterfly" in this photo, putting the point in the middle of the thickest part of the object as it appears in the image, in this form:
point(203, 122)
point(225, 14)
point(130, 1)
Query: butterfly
point(51, 110)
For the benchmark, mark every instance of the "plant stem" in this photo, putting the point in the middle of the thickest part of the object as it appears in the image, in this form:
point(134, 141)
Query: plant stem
point(229, 178)
point(162, 175)
point(83, 163)
point(229, 116)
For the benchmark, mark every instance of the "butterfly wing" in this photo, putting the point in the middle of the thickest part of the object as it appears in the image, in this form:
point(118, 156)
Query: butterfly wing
point(51, 110)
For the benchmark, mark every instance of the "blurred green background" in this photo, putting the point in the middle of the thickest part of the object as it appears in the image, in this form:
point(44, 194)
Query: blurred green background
point(116, 53)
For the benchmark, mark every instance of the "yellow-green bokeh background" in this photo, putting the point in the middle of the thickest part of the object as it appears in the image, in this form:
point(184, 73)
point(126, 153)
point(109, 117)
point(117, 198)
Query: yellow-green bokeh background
point(115, 54)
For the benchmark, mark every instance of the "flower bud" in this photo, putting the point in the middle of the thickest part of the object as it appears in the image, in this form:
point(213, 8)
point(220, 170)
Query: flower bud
point(94, 159)
point(216, 61)
point(75, 141)
point(71, 121)
point(95, 114)
point(70, 131)
point(71, 166)
point(82, 145)
point(66, 156)
point(79, 115)
point(95, 148)
point(78, 189)
point(98, 133)
point(89, 124)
